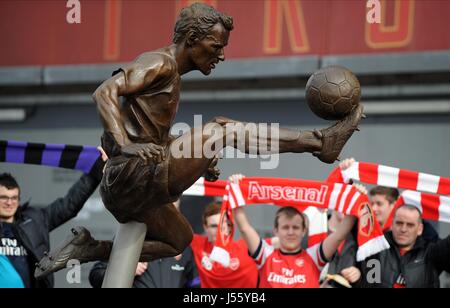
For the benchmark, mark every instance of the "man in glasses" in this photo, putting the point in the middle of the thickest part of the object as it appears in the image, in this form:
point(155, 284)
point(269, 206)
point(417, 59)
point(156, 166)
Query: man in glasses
point(24, 230)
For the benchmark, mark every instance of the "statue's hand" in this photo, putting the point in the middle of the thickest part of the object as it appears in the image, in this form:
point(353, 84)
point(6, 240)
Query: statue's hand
point(146, 151)
point(213, 173)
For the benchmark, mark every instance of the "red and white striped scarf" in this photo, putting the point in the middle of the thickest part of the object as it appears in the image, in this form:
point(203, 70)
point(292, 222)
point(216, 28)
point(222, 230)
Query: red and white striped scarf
point(303, 195)
point(318, 222)
point(206, 189)
point(433, 206)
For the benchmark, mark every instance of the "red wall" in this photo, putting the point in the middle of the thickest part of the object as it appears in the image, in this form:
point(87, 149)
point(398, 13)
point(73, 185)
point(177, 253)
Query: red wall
point(35, 32)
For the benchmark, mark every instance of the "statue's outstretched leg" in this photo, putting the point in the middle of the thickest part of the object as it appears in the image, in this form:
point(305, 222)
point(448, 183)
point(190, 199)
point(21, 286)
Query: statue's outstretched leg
point(325, 144)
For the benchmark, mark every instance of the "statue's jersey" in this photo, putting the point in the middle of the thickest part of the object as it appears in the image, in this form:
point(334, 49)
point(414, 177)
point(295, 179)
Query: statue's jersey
point(149, 112)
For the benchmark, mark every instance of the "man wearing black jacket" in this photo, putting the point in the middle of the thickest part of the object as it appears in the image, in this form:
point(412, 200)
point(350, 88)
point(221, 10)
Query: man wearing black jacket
point(411, 261)
point(383, 201)
point(24, 230)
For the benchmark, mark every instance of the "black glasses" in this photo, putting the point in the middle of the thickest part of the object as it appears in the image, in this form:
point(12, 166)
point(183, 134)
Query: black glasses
point(6, 198)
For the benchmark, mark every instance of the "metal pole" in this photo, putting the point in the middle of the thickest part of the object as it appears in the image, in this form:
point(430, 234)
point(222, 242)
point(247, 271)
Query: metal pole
point(125, 255)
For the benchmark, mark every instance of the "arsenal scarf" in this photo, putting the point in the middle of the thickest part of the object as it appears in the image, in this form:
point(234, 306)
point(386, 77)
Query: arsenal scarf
point(318, 222)
point(433, 206)
point(83, 158)
point(302, 194)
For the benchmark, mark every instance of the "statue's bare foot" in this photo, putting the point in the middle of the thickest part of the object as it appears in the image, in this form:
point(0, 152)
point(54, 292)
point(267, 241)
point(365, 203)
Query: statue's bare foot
point(335, 137)
point(75, 247)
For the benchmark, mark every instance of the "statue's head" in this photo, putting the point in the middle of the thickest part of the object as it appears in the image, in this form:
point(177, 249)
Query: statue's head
point(204, 31)
point(197, 20)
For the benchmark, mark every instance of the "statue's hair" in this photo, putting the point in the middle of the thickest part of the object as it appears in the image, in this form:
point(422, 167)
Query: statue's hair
point(199, 18)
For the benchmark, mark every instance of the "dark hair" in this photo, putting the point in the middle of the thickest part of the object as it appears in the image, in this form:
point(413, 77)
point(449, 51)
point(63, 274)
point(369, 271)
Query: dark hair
point(391, 194)
point(199, 18)
point(411, 208)
point(290, 212)
point(211, 209)
point(8, 181)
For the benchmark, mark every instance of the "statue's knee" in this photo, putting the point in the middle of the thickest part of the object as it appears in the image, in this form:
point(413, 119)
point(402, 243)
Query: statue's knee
point(184, 241)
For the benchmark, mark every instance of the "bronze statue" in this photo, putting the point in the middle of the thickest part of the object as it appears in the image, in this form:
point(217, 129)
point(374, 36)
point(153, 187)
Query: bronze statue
point(142, 178)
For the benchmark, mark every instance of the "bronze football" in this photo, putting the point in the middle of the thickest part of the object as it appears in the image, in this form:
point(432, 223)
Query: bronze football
point(332, 92)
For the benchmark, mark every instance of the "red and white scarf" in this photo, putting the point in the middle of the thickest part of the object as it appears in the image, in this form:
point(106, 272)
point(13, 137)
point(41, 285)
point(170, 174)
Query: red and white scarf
point(375, 174)
point(433, 206)
point(302, 194)
point(318, 222)
point(206, 189)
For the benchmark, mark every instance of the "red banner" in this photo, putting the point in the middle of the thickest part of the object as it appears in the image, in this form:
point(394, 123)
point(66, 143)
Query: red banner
point(38, 32)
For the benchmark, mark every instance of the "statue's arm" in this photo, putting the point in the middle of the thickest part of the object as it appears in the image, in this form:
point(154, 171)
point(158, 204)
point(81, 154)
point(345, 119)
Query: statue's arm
point(107, 99)
point(130, 80)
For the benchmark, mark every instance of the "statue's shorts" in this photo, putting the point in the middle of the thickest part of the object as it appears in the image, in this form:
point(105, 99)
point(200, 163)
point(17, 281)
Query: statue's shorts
point(130, 188)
